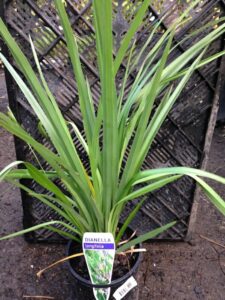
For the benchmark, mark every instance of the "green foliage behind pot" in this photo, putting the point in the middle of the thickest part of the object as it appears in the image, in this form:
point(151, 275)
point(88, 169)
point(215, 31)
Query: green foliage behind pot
point(94, 202)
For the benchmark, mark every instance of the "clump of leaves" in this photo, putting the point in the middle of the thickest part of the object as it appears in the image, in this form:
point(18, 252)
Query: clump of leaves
point(94, 202)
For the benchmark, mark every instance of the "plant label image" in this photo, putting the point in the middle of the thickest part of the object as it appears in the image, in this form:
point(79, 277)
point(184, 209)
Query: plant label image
point(99, 252)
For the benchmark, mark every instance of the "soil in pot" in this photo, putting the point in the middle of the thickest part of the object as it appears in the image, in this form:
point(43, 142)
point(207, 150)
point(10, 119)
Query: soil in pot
point(124, 267)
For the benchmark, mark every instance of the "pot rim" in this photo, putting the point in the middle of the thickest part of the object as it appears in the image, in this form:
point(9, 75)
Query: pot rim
point(113, 283)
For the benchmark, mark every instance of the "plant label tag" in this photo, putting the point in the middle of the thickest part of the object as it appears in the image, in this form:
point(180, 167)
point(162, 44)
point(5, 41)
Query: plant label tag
point(125, 288)
point(99, 253)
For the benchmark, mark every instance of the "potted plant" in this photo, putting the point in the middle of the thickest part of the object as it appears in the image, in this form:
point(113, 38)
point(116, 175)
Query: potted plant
point(90, 203)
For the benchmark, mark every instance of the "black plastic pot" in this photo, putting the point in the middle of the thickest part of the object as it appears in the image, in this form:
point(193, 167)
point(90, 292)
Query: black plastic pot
point(84, 287)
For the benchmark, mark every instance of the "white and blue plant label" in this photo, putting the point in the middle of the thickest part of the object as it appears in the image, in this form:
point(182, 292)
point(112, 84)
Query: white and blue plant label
point(99, 252)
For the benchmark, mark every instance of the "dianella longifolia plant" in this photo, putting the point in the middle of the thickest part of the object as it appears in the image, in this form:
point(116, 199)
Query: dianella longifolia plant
point(118, 133)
